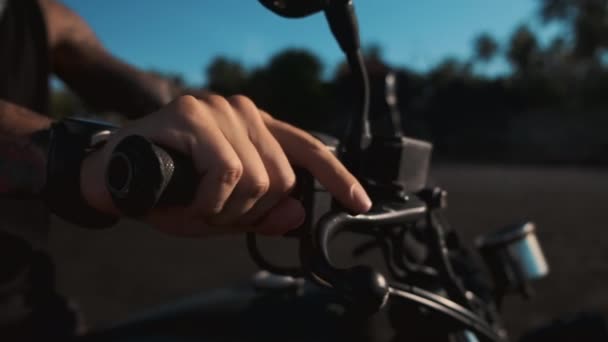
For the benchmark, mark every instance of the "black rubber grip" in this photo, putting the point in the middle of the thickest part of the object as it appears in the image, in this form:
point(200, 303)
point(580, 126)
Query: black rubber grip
point(141, 176)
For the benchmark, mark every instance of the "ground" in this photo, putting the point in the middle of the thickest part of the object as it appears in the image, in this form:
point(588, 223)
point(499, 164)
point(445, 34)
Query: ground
point(118, 272)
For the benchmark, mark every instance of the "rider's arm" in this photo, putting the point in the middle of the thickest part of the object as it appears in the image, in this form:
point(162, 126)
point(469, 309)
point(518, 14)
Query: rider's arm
point(242, 155)
point(23, 143)
point(101, 79)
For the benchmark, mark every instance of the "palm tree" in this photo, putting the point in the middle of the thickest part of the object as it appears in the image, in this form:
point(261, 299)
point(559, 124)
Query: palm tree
point(486, 48)
point(523, 50)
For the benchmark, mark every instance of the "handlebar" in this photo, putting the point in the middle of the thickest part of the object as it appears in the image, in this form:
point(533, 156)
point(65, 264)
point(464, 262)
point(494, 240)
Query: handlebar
point(141, 176)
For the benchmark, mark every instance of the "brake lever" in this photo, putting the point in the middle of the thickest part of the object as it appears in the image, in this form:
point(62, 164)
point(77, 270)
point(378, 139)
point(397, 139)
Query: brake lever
point(359, 284)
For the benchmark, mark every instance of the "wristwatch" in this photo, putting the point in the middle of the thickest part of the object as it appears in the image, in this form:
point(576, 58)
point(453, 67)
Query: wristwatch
point(70, 141)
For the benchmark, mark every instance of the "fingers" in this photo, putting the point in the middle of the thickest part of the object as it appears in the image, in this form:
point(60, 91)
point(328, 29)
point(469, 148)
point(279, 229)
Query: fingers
point(280, 174)
point(255, 182)
point(196, 134)
point(306, 151)
point(243, 157)
point(241, 187)
point(175, 221)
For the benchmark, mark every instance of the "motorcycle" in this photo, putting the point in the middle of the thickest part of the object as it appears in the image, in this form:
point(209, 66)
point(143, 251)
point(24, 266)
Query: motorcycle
point(432, 287)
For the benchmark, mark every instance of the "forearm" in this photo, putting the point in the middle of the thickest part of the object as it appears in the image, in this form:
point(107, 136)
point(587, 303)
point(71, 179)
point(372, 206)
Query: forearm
point(23, 149)
point(100, 79)
point(107, 83)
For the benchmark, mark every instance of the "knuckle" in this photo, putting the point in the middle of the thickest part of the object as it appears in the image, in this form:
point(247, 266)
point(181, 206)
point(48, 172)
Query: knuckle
point(188, 108)
point(267, 117)
point(231, 173)
point(285, 184)
point(241, 102)
point(186, 103)
point(319, 149)
point(258, 188)
point(245, 107)
point(219, 103)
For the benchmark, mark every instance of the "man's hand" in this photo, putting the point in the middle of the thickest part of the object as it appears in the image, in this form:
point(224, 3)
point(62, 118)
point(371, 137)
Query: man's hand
point(243, 157)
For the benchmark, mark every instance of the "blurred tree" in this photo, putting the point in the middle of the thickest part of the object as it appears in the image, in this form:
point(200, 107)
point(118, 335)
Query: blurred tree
point(226, 76)
point(296, 66)
point(291, 88)
point(558, 47)
point(448, 70)
point(587, 21)
point(523, 52)
point(486, 48)
point(373, 56)
point(373, 51)
point(551, 9)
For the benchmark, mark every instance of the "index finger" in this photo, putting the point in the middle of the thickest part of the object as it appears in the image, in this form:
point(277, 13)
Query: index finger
point(306, 151)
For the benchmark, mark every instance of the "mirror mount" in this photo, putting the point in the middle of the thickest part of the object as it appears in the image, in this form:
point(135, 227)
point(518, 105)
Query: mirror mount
point(294, 9)
point(342, 21)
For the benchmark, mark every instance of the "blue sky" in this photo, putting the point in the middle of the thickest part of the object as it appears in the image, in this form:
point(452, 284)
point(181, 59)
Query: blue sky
point(184, 35)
